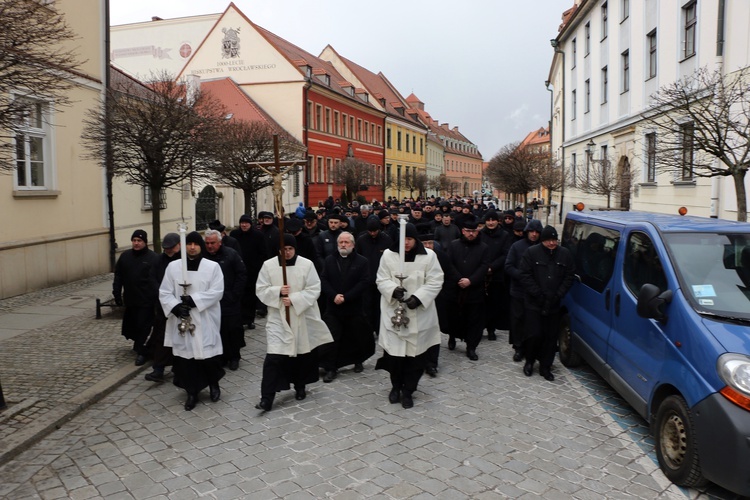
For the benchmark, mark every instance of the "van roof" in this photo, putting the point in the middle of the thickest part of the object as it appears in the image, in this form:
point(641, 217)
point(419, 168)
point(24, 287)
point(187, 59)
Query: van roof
point(665, 222)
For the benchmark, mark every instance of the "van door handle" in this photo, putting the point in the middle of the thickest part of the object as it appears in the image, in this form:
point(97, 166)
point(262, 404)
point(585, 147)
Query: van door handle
point(607, 296)
point(617, 304)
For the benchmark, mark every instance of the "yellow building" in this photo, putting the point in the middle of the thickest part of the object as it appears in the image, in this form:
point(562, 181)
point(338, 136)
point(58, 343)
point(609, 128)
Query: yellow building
point(54, 227)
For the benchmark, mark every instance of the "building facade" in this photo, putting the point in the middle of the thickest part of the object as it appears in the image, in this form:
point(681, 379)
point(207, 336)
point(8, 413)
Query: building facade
point(59, 230)
point(610, 57)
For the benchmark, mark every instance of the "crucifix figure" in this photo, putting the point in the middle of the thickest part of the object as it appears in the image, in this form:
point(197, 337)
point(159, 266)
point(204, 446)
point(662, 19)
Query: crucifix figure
point(276, 170)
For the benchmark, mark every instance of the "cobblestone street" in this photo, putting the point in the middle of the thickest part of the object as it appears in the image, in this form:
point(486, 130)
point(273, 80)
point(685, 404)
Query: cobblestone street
point(479, 430)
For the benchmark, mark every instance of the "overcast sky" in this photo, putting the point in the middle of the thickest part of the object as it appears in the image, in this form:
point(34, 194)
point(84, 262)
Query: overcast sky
point(477, 64)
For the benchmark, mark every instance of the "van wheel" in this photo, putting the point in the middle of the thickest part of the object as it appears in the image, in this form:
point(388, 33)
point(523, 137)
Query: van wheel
point(568, 357)
point(676, 448)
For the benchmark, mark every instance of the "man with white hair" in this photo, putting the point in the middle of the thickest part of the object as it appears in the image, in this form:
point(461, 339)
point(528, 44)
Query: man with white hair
point(344, 282)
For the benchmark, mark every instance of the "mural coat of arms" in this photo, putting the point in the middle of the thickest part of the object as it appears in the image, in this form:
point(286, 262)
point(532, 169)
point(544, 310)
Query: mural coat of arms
point(230, 44)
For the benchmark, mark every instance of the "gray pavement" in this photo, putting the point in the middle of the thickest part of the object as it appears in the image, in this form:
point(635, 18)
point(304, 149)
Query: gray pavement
point(81, 424)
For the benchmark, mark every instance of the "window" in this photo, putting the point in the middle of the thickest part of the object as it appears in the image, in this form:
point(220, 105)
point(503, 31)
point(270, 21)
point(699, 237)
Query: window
point(594, 249)
point(421, 146)
point(573, 105)
point(625, 71)
point(318, 117)
point(407, 144)
point(587, 47)
point(651, 157)
point(310, 124)
point(320, 169)
point(388, 138)
point(351, 127)
point(379, 140)
point(414, 143)
point(689, 17)
point(372, 134)
point(398, 140)
point(297, 170)
point(604, 20)
point(366, 139)
point(605, 85)
point(687, 131)
point(343, 125)
point(359, 129)
point(604, 160)
point(148, 199)
point(642, 264)
point(328, 120)
point(625, 13)
point(574, 48)
point(573, 169)
point(32, 146)
point(398, 176)
point(329, 173)
point(336, 123)
point(587, 98)
point(651, 54)
point(388, 173)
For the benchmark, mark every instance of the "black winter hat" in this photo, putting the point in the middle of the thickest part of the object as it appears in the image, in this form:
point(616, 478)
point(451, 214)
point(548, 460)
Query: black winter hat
point(194, 237)
point(548, 233)
point(140, 233)
point(373, 223)
point(216, 225)
point(292, 225)
point(290, 240)
point(411, 231)
point(264, 214)
point(246, 218)
point(310, 216)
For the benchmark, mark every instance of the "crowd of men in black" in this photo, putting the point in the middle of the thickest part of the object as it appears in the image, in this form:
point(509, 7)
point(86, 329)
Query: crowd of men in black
point(503, 272)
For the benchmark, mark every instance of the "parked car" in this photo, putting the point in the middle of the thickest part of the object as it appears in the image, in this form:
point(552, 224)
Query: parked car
point(661, 310)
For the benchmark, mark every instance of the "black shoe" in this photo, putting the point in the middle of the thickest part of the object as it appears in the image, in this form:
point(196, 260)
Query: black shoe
point(190, 402)
point(140, 360)
point(491, 335)
point(215, 392)
point(547, 375)
point(358, 368)
point(394, 396)
point(472, 355)
point(251, 326)
point(300, 394)
point(518, 355)
point(528, 368)
point(234, 364)
point(451, 343)
point(431, 371)
point(261, 314)
point(264, 404)
point(406, 400)
point(155, 376)
point(329, 376)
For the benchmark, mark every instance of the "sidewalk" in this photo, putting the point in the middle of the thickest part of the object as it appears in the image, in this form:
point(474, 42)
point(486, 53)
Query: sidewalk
point(56, 359)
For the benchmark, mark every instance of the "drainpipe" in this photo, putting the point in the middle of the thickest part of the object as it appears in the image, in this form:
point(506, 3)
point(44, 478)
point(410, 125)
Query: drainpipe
point(108, 144)
point(554, 42)
point(305, 88)
point(720, 27)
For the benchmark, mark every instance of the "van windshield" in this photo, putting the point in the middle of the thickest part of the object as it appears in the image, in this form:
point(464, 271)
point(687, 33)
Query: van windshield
point(714, 271)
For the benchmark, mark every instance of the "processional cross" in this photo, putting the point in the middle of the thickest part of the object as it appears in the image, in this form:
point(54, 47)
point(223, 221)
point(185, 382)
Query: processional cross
point(276, 169)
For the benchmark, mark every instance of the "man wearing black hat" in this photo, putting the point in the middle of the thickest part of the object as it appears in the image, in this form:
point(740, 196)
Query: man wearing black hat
point(371, 246)
point(325, 243)
point(547, 273)
point(235, 282)
point(197, 362)
point(289, 343)
point(133, 273)
point(512, 270)
point(509, 218)
point(311, 225)
point(305, 244)
point(447, 231)
point(254, 252)
point(162, 355)
point(469, 259)
point(433, 353)
point(269, 231)
point(405, 346)
point(497, 298)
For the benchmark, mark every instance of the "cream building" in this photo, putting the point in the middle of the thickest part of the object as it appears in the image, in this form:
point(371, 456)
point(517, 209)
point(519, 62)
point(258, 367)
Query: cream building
point(609, 57)
point(55, 227)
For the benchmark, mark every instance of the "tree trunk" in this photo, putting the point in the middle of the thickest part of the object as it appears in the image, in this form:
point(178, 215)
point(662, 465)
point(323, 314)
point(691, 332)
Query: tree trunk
point(156, 219)
point(739, 189)
point(249, 201)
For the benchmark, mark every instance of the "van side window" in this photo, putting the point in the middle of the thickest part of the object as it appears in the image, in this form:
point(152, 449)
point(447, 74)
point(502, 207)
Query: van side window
point(642, 264)
point(594, 249)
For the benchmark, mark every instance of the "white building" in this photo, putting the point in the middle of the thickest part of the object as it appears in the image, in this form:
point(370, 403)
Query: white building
point(610, 57)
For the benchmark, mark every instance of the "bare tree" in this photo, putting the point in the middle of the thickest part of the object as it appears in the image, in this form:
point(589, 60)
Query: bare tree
point(240, 144)
point(441, 184)
point(36, 60)
point(160, 135)
point(702, 128)
point(352, 173)
point(415, 181)
point(601, 179)
point(550, 177)
point(515, 169)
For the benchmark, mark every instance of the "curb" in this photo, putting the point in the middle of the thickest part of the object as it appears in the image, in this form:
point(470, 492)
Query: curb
point(57, 417)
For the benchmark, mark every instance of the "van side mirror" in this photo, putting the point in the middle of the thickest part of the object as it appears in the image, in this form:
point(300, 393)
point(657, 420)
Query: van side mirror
point(651, 301)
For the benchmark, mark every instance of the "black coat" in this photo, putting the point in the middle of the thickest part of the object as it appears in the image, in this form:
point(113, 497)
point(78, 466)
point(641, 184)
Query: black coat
point(254, 252)
point(512, 266)
point(468, 259)
point(306, 249)
point(372, 249)
point(325, 243)
point(235, 279)
point(352, 285)
point(134, 273)
point(498, 243)
point(546, 276)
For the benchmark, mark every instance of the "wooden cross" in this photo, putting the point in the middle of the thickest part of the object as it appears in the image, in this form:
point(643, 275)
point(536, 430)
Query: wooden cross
point(276, 170)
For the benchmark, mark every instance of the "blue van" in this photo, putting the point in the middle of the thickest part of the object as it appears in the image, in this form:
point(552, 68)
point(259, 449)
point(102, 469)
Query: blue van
point(661, 310)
